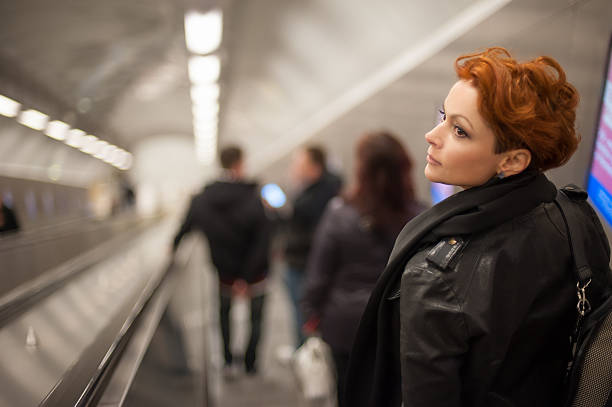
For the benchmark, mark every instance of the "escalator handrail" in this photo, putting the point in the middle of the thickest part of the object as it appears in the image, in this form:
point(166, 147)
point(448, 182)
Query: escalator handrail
point(97, 382)
point(115, 352)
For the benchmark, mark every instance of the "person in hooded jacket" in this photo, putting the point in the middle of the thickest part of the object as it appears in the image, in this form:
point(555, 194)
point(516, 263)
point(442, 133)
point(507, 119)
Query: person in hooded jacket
point(477, 303)
point(230, 213)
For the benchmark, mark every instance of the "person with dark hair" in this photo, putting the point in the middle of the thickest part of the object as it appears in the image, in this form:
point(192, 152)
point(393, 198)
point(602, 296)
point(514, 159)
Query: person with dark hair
point(230, 156)
point(8, 219)
point(229, 212)
point(316, 187)
point(477, 303)
point(353, 242)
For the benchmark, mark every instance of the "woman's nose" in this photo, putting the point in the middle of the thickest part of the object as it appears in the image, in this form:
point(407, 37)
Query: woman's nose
point(432, 137)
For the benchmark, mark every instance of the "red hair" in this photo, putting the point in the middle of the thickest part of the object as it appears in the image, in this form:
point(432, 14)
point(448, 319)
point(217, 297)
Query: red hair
point(528, 105)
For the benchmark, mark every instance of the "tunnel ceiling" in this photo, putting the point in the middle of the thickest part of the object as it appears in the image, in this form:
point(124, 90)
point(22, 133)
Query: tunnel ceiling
point(79, 59)
point(119, 68)
point(290, 68)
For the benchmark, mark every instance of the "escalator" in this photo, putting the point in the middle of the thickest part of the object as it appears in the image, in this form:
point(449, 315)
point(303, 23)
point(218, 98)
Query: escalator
point(106, 329)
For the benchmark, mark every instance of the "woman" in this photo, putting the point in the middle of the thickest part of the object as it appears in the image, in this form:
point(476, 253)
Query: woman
point(354, 240)
point(478, 299)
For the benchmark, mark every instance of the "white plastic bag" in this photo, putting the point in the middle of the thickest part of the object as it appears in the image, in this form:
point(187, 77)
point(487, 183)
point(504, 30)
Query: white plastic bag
point(314, 369)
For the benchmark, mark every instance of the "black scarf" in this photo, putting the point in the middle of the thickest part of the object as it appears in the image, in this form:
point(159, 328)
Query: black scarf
point(373, 376)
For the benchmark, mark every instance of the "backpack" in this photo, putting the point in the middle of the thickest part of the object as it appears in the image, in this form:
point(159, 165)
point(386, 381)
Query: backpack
point(589, 372)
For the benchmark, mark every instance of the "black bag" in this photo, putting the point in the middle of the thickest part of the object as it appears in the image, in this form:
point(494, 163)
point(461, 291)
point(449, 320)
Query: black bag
point(589, 374)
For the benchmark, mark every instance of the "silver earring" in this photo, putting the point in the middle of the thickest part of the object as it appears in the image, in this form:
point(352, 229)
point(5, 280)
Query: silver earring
point(500, 175)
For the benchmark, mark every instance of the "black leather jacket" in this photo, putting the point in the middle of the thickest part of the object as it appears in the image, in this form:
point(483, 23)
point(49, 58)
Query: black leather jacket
point(485, 320)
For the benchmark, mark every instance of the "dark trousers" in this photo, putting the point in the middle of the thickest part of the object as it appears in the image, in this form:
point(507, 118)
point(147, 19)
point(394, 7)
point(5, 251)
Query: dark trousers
point(341, 360)
point(294, 279)
point(225, 305)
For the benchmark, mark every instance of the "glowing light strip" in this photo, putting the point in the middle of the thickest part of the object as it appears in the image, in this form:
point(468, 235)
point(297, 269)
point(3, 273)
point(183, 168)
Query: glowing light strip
point(57, 130)
point(203, 31)
point(33, 119)
point(61, 131)
point(9, 107)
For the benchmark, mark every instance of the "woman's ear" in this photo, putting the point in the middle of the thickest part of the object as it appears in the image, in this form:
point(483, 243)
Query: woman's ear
point(514, 161)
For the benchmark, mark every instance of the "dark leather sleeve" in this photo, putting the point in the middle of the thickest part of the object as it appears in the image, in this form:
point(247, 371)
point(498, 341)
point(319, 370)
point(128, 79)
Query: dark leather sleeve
point(433, 339)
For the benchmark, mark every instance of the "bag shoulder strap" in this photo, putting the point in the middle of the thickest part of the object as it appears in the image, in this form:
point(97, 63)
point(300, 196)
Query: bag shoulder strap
point(565, 202)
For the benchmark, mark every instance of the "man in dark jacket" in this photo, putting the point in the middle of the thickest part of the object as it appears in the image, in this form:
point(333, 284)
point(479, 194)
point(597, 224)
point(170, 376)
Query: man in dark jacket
point(317, 187)
point(230, 213)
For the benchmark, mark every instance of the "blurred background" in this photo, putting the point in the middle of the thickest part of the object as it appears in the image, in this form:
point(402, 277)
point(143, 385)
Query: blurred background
point(111, 117)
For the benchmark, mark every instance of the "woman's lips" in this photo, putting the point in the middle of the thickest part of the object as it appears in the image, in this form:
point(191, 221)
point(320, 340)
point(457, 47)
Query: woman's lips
point(432, 161)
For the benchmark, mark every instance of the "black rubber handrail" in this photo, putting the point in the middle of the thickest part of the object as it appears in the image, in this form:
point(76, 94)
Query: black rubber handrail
point(95, 387)
point(80, 387)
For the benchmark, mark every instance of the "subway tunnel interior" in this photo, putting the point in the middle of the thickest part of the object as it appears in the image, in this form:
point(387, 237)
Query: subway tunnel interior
point(113, 121)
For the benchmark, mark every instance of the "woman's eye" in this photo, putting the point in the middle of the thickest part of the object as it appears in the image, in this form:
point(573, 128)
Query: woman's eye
point(460, 132)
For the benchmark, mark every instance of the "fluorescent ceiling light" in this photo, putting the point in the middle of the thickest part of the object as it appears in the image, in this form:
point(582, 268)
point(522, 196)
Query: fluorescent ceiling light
point(203, 31)
point(205, 128)
point(117, 157)
point(207, 106)
point(89, 144)
point(206, 122)
point(207, 113)
point(108, 153)
point(9, 107)
point(204, 70)
point(129, 159)
point(206, 143)
point(206, 139)
point(206, 150)
point(75, 138)
point(123, 160)
point(209, 141)
point(99, 148)
point(57, 130)
point(204, 93)
point(33, 119)
point(206, 157)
